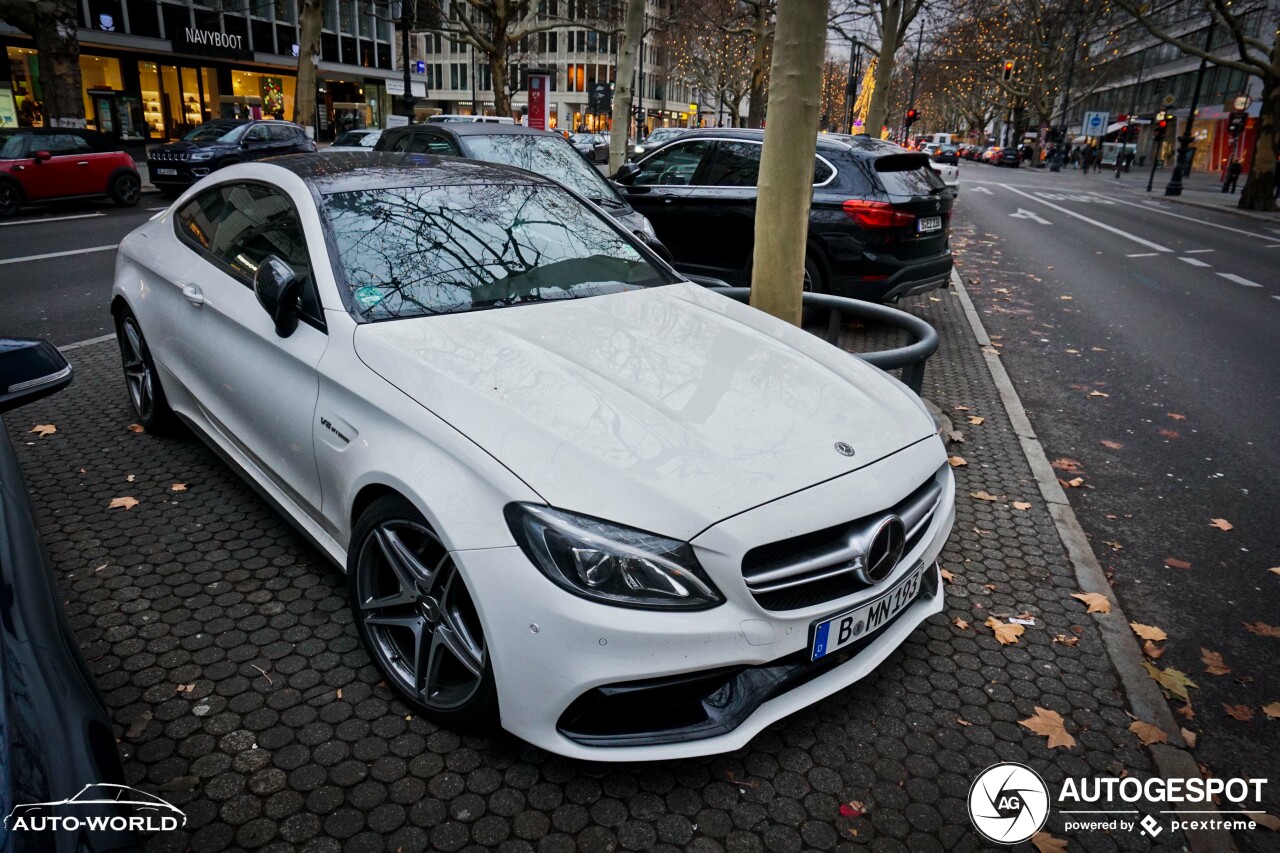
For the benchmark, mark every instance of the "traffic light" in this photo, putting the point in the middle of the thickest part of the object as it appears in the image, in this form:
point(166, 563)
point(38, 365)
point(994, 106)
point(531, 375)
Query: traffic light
point(1008, 69)
point(1162, 127)
point(911, 117)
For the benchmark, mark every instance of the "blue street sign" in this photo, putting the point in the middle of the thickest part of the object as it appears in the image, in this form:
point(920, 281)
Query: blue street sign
point(421, 67)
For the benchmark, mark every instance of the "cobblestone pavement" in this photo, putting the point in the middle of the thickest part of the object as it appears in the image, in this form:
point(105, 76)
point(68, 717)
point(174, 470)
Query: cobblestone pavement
point(240, 692)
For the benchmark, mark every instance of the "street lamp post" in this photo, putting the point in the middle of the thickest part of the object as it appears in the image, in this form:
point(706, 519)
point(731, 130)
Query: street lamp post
point(1058, 156)
point(407, 100)
point(1182, 162)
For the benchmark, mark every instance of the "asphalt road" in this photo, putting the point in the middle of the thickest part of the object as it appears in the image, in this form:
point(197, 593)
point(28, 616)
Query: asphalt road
point(64, 297)
point(1144, 339)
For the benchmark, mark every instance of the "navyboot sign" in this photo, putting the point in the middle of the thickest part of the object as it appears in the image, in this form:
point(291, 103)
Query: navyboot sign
point(206, 42)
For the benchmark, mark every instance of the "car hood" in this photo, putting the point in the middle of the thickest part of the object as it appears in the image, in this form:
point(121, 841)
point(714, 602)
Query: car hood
point(667, 409)
point(183, 145)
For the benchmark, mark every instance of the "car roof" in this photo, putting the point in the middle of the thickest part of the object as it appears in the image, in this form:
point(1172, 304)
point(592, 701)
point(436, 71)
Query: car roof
point(826, 141)
point(472, 128)
point(348, 171)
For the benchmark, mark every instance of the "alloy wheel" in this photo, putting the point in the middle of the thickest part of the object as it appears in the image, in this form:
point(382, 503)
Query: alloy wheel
point(127, 189)
point(418, 615)
point(137, 369)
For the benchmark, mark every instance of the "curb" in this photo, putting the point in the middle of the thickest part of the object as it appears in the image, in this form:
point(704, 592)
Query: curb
point(1272, 217)
point(1145, 699)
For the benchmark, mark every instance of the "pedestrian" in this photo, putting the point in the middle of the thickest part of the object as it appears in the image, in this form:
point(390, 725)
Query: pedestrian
point(1086, 157)
point(1233, 175)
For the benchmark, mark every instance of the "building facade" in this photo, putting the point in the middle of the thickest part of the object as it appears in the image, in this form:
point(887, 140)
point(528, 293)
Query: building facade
point(154, 69)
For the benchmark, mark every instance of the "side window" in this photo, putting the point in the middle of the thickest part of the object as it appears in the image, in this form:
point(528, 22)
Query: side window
point(13, 145)
point(239, 225)
point(281, 133)
point(736, 164)
point(258, 133)
point(439, 145)
point(821, 172)
point(673, 166)
point(62, 144)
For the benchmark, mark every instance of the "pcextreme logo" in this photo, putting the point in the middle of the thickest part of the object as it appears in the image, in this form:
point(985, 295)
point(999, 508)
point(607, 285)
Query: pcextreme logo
point(98, 807)
point(1010, 802)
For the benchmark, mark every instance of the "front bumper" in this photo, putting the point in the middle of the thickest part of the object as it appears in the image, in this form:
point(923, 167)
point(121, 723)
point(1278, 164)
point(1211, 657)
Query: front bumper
point(555, 655)
point(185, 173)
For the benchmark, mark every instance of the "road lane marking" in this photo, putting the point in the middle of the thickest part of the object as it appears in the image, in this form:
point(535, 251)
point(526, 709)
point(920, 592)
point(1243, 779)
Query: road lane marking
point(1196, 251)
point(1237, 279)
point(50, 219)
point(111, 248)
point(1104, 226)
point(1027, 214)
point(1155, 207)
point(1272, 246)
point(1144, 255)
point(1195, 262)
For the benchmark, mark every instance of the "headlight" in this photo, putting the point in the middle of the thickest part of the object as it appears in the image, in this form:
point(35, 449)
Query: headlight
point(610, 563)
point(200, 155)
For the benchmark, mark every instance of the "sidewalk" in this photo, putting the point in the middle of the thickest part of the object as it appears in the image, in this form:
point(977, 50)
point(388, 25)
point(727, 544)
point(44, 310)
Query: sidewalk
point(227, 656)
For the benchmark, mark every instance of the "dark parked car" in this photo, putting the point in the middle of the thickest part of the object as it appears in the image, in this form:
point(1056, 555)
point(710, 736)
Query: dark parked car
point(218, 143)
point(541, 151)
point(593, 146)
point(947, 154)
point(1008, 157)
point(55, 736)
point(878, 227)
point(45, 164)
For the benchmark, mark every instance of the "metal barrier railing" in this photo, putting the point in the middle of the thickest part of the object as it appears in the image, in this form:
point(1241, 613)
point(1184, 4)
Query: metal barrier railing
point(910, 358)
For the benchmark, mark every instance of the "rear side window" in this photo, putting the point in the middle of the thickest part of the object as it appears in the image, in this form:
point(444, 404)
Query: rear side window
point(907, 174)
point(283, 133)
point(736, 164)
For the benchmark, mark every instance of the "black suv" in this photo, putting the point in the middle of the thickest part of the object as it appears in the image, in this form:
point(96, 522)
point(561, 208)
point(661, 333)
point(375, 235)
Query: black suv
point(878, 227)
point(218, 143)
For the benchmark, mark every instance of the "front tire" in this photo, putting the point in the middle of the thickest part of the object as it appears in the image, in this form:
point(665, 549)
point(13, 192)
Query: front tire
point(126, 189)
point(416, 617)
point(140, 376)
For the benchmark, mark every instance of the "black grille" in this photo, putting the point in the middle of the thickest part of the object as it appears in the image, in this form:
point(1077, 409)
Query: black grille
point(818, 585)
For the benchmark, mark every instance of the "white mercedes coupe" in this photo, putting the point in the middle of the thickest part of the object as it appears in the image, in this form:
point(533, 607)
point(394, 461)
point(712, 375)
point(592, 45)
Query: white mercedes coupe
point(626, 516)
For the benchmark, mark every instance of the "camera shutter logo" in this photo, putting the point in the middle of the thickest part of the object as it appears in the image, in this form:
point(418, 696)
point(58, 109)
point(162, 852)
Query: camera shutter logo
point(1008, 803)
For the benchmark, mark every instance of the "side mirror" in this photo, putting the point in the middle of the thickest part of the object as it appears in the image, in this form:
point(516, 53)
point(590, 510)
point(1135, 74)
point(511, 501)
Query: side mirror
point(656, 246)
point(30, 368)
point(41, 156)
point(626, 174)
point(278, 287)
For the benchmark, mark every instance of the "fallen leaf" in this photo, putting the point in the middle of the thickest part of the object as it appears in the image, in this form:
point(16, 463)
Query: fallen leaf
point(1190, 737)
point(960, 623)
point(1020, 505)
point(44, 429)
point(1243, 713)
point(1176, 417)
point(1097, 602)
point(184, 688)
point(1148, 632)
point(1270, 821)
point(129, 479)
point(1097, 394)
point(1075, 482)
point(1005, 633)
point(1262, 629)
point(1221, 523)
point(181, 783)
point(1049, 724)
point(961, 408)
point(983, 496)
point(947, 576)
point(1272, 710)
point(963, 722)
point(137, 428)
point(1071, 466)
point(1046, 843)
point(956, 435)
point(1186, 712)
point(1066, 298)
point(1148, 733)
point(339, 692)
point(957, 461)
point(1175, 563)
point(1275, 571)
point(1169, 433)
point(178, 487)
point(1113, 545)
point(853, 808)
point(1114, 445)
point(975, 420)
point(126, 502)
point(1151, 650)
point(1213, 663)
point(138, 726)
point(1171, 681)
point(1065, 640)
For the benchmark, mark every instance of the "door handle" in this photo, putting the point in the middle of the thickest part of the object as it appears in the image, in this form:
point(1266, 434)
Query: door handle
point(667, 199)
point(193, 294)
point(83, 163)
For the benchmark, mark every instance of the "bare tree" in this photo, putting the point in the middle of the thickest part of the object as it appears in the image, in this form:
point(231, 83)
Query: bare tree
point(53, 24)
point(1252, 27)
point(786, 164)
point(624, 83)
point(310, 21)
point(892, 19)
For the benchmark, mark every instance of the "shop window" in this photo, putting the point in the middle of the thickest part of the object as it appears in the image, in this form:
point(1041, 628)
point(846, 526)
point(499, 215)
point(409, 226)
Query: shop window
point(286, 38)
point(348, 45)
point(263, 37)
point(384, 56)
point(329, 47)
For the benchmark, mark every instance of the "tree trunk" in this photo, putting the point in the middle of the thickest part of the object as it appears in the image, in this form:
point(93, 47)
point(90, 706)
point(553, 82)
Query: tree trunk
point(304, 100)
point(786, 164)
point(498, 71)
point(52, 25)
point(1259, 192)
point(760, 48)
point(624, 84)
point(891, 15)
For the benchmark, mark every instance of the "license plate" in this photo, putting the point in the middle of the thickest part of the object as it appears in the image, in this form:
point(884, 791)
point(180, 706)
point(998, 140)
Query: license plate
point(929, 223)
point(166, 171)
point(831, 635)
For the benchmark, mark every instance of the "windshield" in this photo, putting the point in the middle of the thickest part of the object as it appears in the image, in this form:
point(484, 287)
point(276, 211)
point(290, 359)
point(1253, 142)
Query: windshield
point(216, 133)
point(420, 251)
point(549, 156)
point(360, 138)
point(662, 134)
